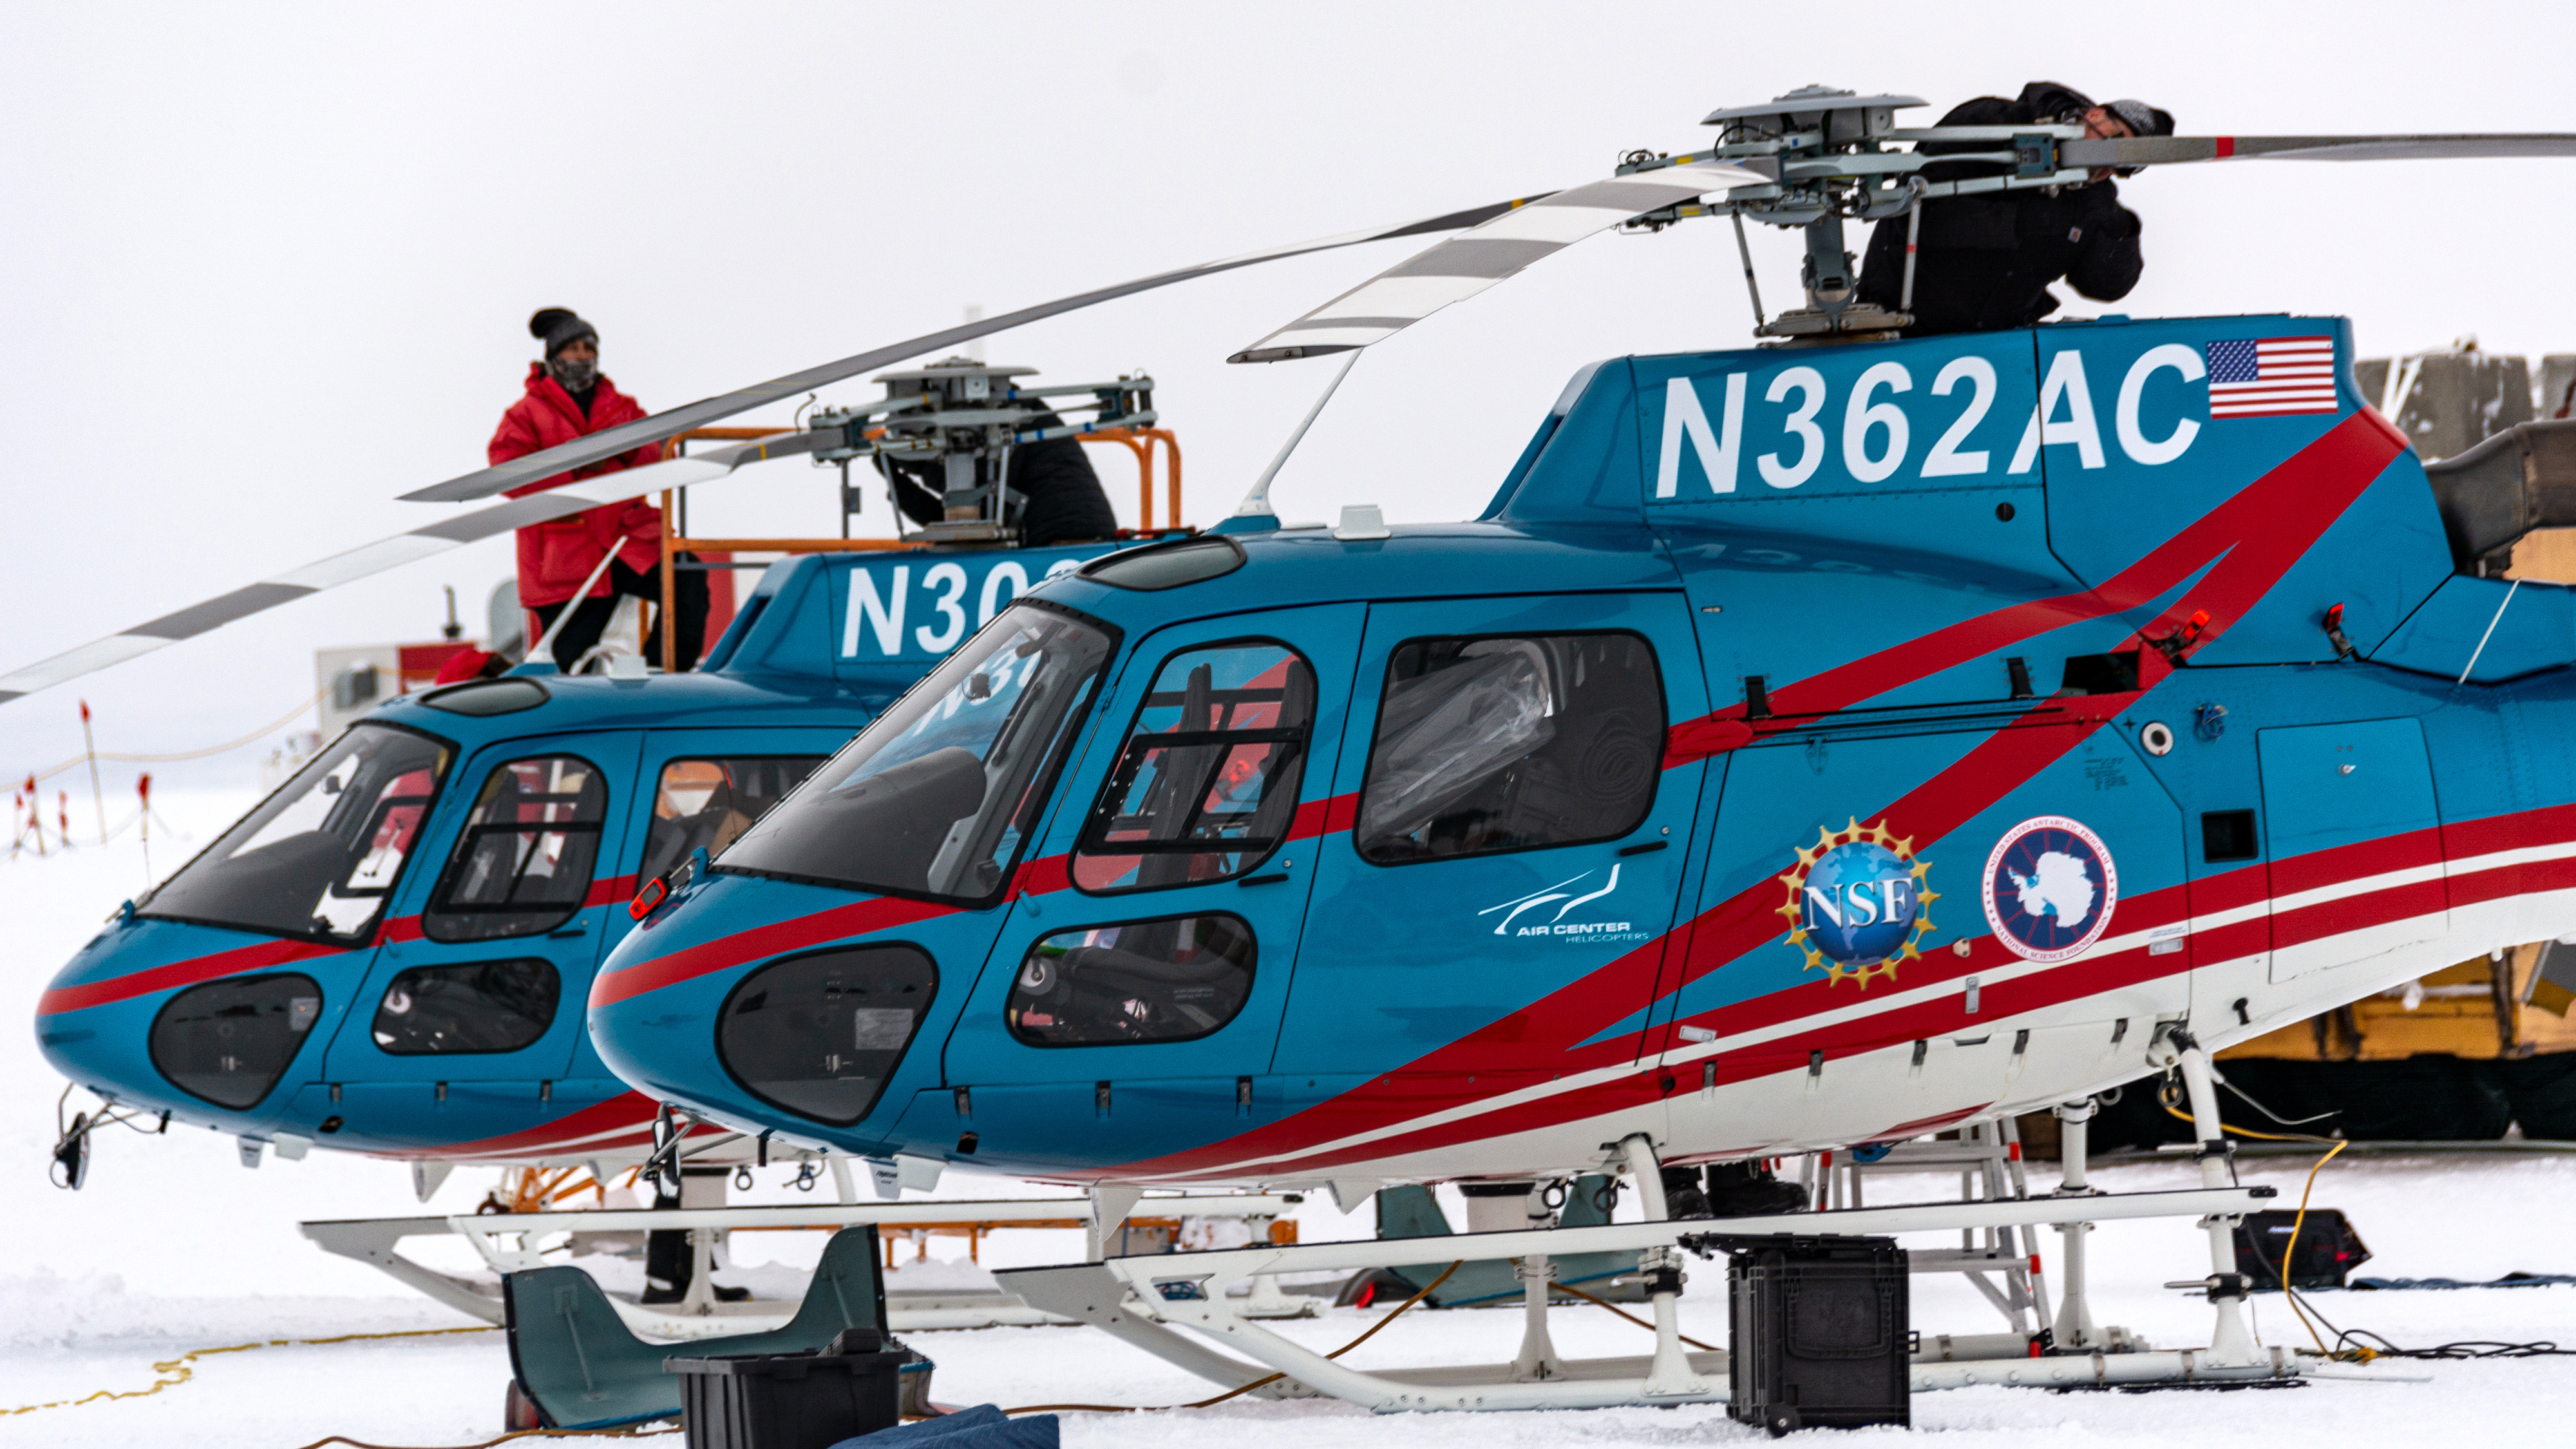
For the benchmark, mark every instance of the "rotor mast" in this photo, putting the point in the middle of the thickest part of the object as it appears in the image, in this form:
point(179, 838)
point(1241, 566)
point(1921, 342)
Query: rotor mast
point(1827, 159)
point(968, 417)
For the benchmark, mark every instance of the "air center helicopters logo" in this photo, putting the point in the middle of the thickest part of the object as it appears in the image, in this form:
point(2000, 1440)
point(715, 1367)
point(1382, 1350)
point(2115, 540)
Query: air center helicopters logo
point(1568, 897)
point(1856, 902)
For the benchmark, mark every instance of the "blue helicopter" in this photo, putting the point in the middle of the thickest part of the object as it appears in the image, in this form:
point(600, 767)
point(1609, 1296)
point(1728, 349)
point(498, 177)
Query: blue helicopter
point(297, 985)
point(1812, 745)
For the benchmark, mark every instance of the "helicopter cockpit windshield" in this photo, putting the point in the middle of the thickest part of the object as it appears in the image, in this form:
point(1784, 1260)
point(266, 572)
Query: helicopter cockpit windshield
point(937, 795)
point(319, 857)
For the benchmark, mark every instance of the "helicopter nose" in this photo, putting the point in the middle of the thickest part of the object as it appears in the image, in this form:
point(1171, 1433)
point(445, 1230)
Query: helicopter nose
point(655, 1034)
point(127, 1021)
point(686, 1009)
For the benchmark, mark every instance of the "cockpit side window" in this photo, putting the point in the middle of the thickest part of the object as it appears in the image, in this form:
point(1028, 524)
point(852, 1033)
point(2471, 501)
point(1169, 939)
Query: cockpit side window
point(706, 804)
point(1206, 784)
point(1495, 744)
point(319, 857)
point(525, 859)
point(938, 795)
point(479, 1007)
point(1143, 981)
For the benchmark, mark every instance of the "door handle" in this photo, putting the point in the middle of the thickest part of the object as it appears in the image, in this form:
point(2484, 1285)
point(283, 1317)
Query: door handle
point(1647, 848)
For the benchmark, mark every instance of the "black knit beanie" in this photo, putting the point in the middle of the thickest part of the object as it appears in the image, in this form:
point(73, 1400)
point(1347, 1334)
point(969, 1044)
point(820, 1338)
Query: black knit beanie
point(558, 328)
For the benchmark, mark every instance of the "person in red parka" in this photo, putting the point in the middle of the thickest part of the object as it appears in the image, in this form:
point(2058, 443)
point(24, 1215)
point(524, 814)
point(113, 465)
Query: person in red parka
point(568, 398)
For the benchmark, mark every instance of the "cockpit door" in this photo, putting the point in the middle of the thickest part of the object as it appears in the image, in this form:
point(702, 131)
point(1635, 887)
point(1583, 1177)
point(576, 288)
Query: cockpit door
point(1136, 988)
point(476, 992)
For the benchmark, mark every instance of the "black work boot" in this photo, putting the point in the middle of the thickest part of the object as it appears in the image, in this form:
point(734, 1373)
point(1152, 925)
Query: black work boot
point(669, 1264)
point(671, 1260)
point(1747, 1189)
point(1682, 1195)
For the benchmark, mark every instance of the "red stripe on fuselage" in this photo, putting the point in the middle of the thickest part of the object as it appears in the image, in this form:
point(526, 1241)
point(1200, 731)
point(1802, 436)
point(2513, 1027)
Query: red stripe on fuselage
point(1324, 817)
point(877, 913)
point(398, 931)
point(262, 956)
point(2253, 537)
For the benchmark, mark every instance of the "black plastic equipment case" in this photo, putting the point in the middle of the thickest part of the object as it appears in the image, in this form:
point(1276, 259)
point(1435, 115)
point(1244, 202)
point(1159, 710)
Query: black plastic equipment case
point(2327, 1252)
point(790, 1400)
point(1819, 1329)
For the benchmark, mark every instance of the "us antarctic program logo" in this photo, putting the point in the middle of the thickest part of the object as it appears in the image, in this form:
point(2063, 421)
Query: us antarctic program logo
point(2050, 886)
point(1856, 902)
point(1568, 896)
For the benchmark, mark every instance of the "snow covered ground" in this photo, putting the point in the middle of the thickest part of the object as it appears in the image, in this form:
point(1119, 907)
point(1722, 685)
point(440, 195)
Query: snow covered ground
point(174, 1247)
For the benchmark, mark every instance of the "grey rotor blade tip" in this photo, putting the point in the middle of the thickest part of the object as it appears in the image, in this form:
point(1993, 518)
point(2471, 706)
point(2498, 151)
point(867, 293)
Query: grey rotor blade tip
point(1459, 267)
point(369, 560)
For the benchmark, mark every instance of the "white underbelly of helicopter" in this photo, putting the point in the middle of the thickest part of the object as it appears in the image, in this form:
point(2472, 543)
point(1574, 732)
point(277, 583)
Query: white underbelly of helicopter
point(2019, 1063)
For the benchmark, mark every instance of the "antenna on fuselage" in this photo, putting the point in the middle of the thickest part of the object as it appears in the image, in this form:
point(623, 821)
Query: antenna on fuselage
point(1256, 504)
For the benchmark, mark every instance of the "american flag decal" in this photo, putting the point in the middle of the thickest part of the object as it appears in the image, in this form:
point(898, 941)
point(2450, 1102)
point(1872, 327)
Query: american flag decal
point(2271, 376)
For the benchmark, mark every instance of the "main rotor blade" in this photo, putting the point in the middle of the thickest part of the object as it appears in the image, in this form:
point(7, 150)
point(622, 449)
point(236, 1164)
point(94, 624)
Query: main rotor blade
point(402, 548)
point(485, 482)
point(1463, 265)
point(2167, 150)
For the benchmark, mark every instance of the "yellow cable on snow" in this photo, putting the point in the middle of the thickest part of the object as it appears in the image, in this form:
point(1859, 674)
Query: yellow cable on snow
point(177, 1371)
point(2293, 1247)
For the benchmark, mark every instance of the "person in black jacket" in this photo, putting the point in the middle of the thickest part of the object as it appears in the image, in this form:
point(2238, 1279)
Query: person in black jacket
point(1060, 499)
point(1984, 263)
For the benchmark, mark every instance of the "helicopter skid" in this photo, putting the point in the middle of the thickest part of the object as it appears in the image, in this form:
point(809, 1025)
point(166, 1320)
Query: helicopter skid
point(372, 1241)
point(509, 1242)
point(1189, 1290)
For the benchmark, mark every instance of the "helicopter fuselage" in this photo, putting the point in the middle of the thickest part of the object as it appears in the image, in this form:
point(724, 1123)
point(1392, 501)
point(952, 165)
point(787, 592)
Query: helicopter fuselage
point(1807, 747)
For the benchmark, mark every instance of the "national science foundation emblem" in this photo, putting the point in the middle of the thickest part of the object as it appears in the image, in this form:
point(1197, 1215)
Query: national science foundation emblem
point(1856, 900)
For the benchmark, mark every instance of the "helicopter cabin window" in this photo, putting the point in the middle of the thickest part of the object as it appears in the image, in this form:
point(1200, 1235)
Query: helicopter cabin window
point(319, 857)
point(1169, 980)
point(706, 804)
point(488, 1006)
point(819, 1035)
point(1206, 785)
point(938, 794)
point(1495, 744)
point(524, 862)
point(228, 1041)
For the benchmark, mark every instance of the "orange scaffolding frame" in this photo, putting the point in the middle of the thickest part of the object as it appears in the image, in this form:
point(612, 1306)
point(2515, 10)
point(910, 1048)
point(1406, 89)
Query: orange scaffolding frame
point(1140, 441)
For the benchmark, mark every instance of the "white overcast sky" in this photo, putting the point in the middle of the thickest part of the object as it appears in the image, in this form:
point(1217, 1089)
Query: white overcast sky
point(263, 267)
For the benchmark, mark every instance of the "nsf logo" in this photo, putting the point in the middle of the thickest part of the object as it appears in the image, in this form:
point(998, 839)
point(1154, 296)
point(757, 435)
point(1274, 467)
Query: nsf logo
point(2050, 886)
point(1855, 903)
